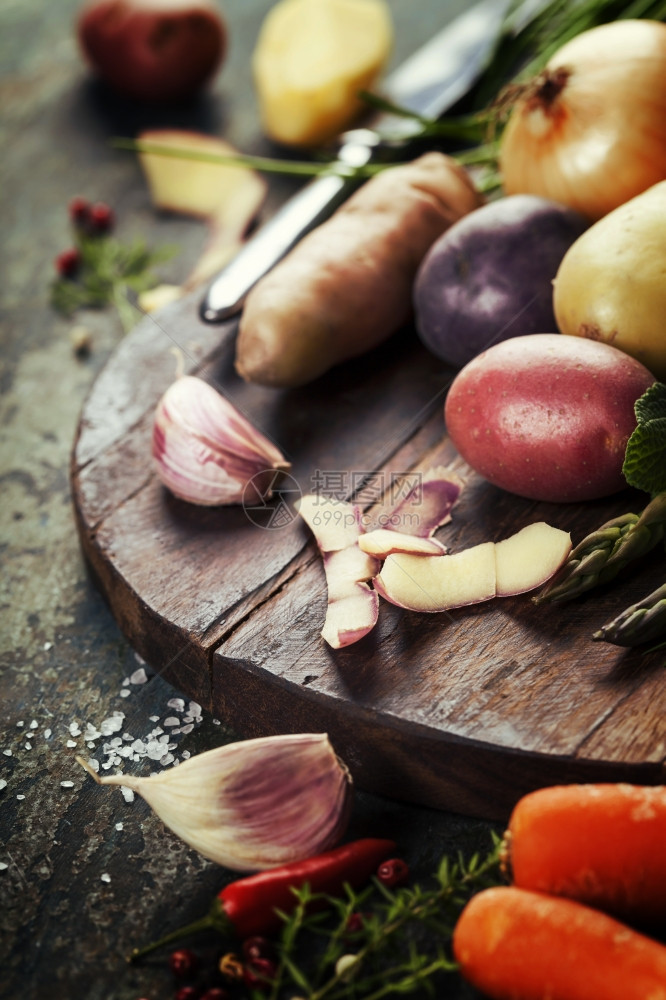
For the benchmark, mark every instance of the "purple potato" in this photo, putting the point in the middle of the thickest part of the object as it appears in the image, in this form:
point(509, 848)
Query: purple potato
point(489, 277)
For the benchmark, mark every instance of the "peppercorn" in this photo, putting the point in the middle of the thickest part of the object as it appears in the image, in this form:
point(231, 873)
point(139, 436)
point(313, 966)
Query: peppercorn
point(68, 262)
point(259, 973)
point(393, 872)
point(183, 963)
point(101, 219)
point(257, 947)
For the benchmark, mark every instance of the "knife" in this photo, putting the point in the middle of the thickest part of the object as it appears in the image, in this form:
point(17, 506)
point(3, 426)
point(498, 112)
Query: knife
point(428, 84)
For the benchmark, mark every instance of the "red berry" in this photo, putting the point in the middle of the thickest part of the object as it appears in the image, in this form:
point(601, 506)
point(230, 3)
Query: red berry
point(100, 219)
point(183, 963)
point(257, 947)
point(259, 973)
point(215, 993)
point(187, 993)
point(393, 872)
point(79, 212)
point(68, 262)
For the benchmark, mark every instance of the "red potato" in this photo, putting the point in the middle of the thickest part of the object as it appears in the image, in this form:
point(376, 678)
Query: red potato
point(153, 50)
point(546, 416)
point(347, 286)
point(513, 944)
point(603, 845)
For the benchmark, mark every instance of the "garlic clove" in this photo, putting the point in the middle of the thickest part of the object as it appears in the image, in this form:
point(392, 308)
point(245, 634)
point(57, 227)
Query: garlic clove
point(255, 804)
point(206, 452)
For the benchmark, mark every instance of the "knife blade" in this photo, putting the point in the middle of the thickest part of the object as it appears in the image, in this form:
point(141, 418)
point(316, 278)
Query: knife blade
point(428, 83)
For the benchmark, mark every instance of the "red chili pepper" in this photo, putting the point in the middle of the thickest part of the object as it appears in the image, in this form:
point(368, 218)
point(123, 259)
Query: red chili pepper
point(248, 906)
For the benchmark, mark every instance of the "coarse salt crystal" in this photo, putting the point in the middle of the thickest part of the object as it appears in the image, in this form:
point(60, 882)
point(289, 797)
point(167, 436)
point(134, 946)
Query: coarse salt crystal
point(94, 764)
point(3, 784)
point(171, 721)
point(177, 703)
point(187, 729)
point(47, 646)
point(112, 725)
point(70, 743)
point(216, 722)
point(119, 826)
point(7, 753)
point(28, 746)
point(167, 759)
point(3, 866)
point(195, 708)
point(67, 784)
point(125, 692)
point(47, 734)
point(34, 724)
point(19, 724)
point(128, 794)
point(20, 797)
point(105, 877)
point(185, 754)
point(126, 682)
point(139, 658)
point(154, 718)
point(139, 676)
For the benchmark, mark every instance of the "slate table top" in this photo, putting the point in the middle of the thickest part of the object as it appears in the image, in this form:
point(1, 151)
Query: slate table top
point(86, 875)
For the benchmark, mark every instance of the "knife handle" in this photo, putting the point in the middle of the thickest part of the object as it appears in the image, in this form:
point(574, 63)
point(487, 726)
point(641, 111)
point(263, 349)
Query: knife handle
point(310, 206)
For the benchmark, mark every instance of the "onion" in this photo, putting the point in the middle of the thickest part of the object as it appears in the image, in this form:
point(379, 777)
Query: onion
point(590, 130)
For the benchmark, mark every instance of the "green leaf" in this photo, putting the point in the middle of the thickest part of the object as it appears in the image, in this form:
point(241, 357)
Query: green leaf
point(652, 404)
point(645, 456)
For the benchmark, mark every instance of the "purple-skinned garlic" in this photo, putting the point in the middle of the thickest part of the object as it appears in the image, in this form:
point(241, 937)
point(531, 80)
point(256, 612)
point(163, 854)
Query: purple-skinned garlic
point(254, 804)
point(206, 452)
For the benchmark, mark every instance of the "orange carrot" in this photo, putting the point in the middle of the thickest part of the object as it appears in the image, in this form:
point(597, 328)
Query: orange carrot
point(513, 944)
point(603, 845)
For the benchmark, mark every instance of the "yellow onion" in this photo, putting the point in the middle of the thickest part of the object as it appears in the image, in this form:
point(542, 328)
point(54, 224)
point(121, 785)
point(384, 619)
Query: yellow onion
point(590, 130)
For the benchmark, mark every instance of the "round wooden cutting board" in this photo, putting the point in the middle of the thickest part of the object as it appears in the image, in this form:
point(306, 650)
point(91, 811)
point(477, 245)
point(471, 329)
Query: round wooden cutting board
point(465, 710)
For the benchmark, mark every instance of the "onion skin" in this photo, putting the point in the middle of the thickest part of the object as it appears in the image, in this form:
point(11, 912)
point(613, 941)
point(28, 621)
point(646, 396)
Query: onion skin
point(591, 131)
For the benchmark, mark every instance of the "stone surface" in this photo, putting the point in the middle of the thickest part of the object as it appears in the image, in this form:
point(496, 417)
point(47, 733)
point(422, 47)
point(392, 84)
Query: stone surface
point(88, 874)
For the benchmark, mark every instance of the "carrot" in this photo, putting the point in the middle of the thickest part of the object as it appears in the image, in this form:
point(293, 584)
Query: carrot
point(347, 285)
point(513, 944)
point(603, 845)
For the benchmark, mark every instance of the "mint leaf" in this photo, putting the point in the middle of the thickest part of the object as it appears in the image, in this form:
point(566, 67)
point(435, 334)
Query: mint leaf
point(645, 456)
point(652, 404)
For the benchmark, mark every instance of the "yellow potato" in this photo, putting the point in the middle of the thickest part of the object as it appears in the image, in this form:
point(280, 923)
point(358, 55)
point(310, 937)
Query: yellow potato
point(611, 284)
point(311, 59)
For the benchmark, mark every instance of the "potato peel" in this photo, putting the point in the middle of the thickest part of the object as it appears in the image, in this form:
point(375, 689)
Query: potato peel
point(226, 196)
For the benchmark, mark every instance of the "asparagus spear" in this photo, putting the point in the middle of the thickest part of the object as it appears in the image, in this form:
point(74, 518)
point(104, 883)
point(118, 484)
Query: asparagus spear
point(601, 555)
point(638, 624)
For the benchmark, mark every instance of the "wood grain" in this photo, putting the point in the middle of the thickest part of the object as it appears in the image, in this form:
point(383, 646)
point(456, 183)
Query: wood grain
point(464, 710)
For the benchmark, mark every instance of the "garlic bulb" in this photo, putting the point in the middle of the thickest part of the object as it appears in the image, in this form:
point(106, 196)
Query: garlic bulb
point(254, 804)
point(208, 453)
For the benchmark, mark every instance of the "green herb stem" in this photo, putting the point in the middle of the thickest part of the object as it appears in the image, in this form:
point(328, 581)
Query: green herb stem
point(387, 931)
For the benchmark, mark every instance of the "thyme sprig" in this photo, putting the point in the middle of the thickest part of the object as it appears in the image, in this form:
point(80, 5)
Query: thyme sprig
point(108, 273)
point(403, 944)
